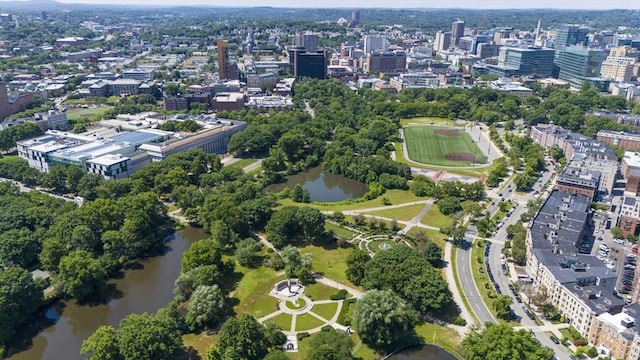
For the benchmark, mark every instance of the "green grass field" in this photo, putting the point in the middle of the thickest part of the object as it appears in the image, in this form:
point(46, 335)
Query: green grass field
point(428, 147)
point(79, 113)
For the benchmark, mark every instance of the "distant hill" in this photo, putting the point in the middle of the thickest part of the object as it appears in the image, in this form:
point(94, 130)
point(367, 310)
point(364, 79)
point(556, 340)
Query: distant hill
point(33, 5)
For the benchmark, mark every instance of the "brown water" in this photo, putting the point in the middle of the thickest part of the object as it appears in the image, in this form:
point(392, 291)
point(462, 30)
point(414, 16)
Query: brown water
point(143, 290)
point(323, 186)
point(426, 352)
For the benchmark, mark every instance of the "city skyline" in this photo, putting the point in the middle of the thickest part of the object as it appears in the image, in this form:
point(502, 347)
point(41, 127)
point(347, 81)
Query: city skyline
point(466, 4)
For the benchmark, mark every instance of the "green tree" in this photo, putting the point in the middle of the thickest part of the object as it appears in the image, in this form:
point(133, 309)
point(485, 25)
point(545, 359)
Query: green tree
point(356, 265)
point(206, 307)
point(223, 234)
point(449, 205)
point(247, 252)
point(148, 336)
point(299, 195)
point(102, 345)
point(19, 247)
point(20, 296)
point(203, 252)
point(80, 274)
point(496, 342)
point(330, 344)
point(433, 254)
point(382, 318)
point(245, 337)
point(501, 305)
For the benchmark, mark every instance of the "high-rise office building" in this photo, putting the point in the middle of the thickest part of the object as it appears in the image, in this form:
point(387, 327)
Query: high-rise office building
point(579, 64)
point(512, 61)
point(355, 18)
point(312, 64)
point(569, 35)
point(378, 62)
point(536, 62)
point(223, 59)
point(457, 31)
point(308, 41)
point(442, 41)
point(375, 43)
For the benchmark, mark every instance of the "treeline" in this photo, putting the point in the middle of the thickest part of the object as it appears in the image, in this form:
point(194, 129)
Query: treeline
point(526, 157)
point(9, 136)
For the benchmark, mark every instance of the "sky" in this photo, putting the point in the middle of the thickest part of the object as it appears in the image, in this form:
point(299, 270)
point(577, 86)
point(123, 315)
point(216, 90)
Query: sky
point(471, 4)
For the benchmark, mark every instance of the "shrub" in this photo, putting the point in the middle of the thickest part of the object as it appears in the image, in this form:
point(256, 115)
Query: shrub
point(340, 295)
point(592, 352)
point(460, 321)
point(302, 335)
point(344, 318)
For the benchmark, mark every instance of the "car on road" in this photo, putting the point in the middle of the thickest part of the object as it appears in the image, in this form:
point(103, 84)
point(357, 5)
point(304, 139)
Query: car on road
point(554, 339)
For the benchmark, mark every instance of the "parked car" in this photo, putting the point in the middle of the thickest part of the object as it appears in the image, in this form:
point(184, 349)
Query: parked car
point(554, 339)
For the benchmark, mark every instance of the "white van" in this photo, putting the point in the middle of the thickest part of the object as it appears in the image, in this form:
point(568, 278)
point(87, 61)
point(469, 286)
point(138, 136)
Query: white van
point(604, 247)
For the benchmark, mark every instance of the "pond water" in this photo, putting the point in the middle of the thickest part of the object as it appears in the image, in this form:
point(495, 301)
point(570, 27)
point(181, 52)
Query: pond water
point(423, 352)
point(144, 289)
point(323, 186)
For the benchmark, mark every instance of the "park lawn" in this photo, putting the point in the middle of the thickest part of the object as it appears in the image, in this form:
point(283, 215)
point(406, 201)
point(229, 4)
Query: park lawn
point(326, 311)
point(435, 218)
point(427, 147)
point(404, 213)
point(201, 342)
point(242, 163)
point(282, 321)
point(394, 196)
point(253, 289)
point(340, 231)
point(433, 235)
point(255, 171)
point(307, 322)
point(427, 121)
point(362, 351)
point(444, 337)
point(88, 113)
point(331, 263)
point(319, 291)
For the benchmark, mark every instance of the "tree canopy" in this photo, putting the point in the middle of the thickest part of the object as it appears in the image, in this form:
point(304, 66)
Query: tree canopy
point(499, 342)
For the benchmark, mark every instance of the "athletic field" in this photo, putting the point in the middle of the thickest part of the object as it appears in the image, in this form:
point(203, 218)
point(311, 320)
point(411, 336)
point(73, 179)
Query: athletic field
point(443, 146)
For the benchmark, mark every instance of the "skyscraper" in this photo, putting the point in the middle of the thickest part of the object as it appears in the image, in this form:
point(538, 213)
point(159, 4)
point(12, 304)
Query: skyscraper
point(375, 43)
point(457, 31)
point(442, 41)
point(307, 40)
point(223, 59)
point(571, 35)
point(312, 64)
point(355, 18)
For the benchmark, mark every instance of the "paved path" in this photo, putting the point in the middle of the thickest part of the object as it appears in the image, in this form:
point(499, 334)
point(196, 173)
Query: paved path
point(334, 284)
point(416, 219)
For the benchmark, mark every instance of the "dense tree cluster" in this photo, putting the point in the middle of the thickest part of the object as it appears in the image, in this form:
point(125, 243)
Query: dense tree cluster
point(518, 234)
point(410, 275)
point(526, 157)
point(424, 186)
point(498, 342)
point(139, 336)
point(292, 224)
point(382, 318)
point(10, 135)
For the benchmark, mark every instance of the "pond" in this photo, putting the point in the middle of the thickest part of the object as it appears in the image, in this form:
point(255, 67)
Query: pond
point(323, 186)
point(422, 352)
point(144, 289)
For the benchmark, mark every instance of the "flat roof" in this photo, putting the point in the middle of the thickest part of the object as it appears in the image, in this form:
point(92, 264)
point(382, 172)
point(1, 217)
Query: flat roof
point(108, 160)
point(632, 158)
